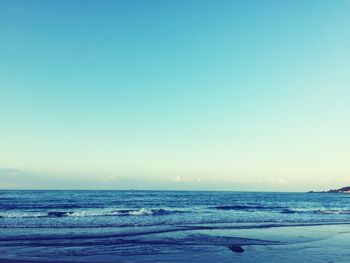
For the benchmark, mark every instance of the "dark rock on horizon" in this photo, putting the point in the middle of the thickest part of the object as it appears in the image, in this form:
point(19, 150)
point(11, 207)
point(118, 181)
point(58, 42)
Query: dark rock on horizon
point(345, 189)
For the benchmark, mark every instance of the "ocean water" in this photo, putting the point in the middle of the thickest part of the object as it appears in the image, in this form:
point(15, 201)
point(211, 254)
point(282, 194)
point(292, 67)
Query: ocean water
point(98, 226)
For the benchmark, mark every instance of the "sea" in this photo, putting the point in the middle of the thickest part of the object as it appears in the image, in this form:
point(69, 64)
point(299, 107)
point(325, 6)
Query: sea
point(143, 226)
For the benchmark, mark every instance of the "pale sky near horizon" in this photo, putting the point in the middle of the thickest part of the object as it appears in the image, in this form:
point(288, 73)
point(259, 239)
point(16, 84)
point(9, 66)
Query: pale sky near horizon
point(175, 94)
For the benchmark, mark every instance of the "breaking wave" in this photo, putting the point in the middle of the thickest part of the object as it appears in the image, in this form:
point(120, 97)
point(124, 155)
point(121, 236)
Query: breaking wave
point(317, 211)
point(89, 213)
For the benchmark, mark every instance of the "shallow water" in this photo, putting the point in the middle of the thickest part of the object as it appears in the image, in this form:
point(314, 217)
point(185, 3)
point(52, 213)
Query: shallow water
point(95, 225)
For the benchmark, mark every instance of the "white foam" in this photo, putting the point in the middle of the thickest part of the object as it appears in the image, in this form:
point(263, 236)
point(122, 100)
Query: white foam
point(81, 213)
point(88, 213)
point(140, 212)
point(22, 214)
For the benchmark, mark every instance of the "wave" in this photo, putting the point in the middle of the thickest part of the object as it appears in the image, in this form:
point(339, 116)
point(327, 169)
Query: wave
point(316, 211)
point(22, 214)
point(243, 207)
point(89, 213)
point(283, 210)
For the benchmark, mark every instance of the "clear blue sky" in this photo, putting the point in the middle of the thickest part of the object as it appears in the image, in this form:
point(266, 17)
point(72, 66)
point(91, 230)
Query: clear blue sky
point(175, 94)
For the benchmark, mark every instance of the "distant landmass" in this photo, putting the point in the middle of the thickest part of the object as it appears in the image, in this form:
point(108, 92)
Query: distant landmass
point(345, 189)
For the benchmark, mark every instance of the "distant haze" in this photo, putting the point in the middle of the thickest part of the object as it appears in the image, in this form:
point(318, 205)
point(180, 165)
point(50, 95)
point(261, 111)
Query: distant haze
point(204, 95)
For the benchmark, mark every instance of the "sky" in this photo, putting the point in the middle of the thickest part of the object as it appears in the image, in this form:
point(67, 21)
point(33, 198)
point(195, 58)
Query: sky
point(186, 94)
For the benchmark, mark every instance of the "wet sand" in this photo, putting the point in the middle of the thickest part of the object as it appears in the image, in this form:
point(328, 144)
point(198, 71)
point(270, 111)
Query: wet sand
point(325, 243)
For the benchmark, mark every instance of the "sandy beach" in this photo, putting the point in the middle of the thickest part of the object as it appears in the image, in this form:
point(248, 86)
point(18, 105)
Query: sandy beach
point(324, 243)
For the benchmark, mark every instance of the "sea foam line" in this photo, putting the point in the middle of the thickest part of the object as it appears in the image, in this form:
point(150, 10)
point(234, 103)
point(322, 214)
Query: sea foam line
point(88, 213)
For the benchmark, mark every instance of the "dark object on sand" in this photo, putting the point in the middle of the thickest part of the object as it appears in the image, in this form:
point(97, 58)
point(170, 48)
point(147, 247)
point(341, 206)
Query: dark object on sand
point(236, 249)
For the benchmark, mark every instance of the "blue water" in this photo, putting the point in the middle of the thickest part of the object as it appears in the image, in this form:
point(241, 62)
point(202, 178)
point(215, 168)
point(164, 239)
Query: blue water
point(75, 225)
